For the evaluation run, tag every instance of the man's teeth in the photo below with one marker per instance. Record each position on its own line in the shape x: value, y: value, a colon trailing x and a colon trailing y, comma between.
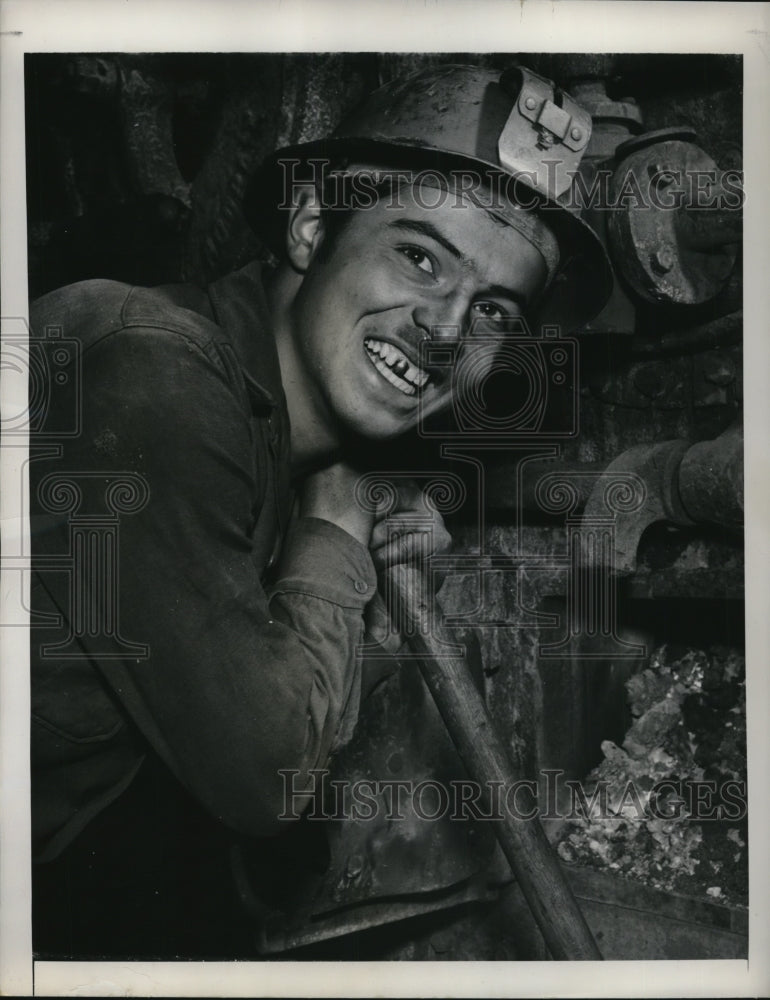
x: 395, y: 366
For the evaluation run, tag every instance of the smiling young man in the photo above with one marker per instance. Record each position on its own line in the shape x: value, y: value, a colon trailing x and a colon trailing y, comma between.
x: 215, y: 643
x: 349, y: 321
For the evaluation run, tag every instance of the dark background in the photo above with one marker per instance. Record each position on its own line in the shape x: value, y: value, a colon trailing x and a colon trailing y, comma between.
x: 136, y: 164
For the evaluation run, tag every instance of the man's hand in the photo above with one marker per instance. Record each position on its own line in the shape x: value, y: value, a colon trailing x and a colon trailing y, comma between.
x: 409, y: 532
x: 330, y: 494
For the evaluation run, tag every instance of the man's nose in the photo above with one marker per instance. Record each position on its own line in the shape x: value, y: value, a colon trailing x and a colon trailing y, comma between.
x: 442, y: 318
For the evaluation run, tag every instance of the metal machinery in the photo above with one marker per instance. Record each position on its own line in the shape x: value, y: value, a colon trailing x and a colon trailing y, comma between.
x: 607, y: 533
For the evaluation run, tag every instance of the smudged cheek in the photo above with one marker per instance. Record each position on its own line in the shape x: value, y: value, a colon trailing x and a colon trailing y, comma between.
x: 369, y: 288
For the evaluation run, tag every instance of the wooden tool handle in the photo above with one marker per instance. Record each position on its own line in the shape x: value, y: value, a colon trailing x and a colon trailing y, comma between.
x: 462, y: 708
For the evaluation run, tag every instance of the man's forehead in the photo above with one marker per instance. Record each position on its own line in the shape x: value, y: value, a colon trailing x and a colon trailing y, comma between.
x: 425, y: 187
x: 494, y: 256
x: 462, y: 221
x: 465, y: 201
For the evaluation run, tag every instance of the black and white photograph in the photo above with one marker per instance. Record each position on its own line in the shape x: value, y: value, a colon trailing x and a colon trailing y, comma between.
x: 382, y: 558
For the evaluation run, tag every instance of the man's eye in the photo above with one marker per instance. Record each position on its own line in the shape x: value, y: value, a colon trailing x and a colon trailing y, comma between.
x: 419, y: 258
x: 488, y: 310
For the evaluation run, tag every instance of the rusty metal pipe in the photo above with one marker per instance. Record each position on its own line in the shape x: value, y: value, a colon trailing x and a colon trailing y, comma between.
x: 684, y: 484
x: 710, y: 480
x: 462, y: 708
x: 709, y: 229
x: 717, y: 332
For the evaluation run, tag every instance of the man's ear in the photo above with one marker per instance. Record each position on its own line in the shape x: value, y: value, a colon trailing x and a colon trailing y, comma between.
x: 304, y: 231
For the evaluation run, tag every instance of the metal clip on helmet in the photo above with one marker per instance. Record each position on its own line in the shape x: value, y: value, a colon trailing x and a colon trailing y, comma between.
x: 453, y: 119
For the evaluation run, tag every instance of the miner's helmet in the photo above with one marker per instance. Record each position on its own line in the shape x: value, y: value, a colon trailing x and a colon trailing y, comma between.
x: 515, y: 130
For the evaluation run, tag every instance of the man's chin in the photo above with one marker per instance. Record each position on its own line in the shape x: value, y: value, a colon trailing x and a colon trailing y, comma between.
x: 378, y: 424
x: 381, y: 418
x: 381, y: 430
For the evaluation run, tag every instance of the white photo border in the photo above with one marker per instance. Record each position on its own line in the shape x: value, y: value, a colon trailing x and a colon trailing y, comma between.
x: 388, y: 25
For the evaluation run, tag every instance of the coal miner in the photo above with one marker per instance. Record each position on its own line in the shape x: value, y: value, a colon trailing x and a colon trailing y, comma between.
x: 220, y: 566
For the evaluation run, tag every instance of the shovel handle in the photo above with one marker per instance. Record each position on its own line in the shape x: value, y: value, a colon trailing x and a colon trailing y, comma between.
x: 533, y: 861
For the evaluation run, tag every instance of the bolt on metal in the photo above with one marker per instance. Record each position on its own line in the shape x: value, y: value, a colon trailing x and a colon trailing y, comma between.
x: 662, y: 260
x: 719, y: 371
x: 354, y: 866
x: 663, y: 174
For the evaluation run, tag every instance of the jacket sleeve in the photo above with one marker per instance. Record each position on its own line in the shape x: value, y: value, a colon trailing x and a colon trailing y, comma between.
x: 236, y: 685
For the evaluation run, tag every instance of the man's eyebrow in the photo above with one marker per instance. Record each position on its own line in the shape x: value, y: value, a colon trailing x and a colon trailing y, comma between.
x: 428, y: 229
x: 521, y: 300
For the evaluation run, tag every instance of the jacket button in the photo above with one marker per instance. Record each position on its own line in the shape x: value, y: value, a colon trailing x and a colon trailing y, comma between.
x: 361, y: 586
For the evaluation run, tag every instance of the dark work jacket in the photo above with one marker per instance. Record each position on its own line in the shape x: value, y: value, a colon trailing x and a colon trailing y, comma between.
x: 171, y: 612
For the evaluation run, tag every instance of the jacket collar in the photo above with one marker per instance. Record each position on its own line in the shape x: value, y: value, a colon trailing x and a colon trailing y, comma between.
x: 240, y: 309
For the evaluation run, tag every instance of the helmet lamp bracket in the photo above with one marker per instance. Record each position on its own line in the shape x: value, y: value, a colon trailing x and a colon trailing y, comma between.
x: 543, y: 118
